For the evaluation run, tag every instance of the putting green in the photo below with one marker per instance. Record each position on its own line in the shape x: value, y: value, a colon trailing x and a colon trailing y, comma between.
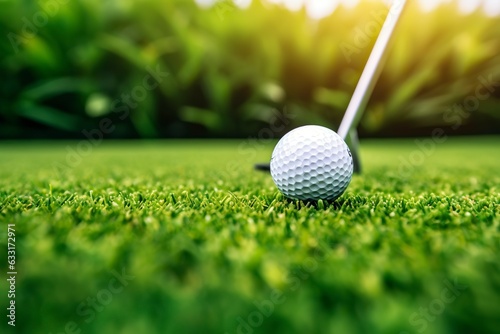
x: 184, y: 237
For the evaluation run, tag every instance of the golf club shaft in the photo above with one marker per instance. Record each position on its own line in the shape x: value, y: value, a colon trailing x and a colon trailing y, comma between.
x: 371, y: 71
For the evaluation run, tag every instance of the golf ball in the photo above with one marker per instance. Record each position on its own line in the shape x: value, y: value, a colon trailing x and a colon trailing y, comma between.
x: 311, y: 163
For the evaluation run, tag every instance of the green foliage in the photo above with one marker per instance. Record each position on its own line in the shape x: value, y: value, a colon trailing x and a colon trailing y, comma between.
x: 204, y: 237
x: 222, y: 60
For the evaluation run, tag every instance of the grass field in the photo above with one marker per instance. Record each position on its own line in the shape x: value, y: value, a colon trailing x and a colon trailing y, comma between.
x: 184, y: 237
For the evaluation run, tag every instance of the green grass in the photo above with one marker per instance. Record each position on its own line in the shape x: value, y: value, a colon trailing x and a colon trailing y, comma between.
x: 205, y: 237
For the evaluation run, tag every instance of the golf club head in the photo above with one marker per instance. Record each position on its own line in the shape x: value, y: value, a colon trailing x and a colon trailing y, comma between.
x: 264, y: 167
x: 353, y: 142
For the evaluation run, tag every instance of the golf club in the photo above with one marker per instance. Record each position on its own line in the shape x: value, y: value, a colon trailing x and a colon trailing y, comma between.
x: 365, y: 86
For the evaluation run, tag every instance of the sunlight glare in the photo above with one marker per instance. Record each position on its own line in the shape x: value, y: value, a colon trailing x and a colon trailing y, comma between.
x: 492, y: 7
x: 318, y: 9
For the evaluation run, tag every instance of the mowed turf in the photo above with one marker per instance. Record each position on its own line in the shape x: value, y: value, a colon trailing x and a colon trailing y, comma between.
x: 184, y: 237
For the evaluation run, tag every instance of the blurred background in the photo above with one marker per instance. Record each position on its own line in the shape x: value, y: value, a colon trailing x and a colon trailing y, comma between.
x: 224, y: 69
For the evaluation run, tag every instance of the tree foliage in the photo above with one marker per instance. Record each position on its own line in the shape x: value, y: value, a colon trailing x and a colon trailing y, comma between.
x: 67, y: 65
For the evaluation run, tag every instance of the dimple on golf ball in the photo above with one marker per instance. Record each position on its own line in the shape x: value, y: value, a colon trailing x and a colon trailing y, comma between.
x: 312, y: 163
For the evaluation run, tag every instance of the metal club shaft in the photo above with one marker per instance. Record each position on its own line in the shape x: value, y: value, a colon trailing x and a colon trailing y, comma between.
x: 371, y: 71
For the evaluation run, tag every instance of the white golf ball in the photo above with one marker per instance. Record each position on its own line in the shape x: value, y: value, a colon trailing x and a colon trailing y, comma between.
x: 311, y: 163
